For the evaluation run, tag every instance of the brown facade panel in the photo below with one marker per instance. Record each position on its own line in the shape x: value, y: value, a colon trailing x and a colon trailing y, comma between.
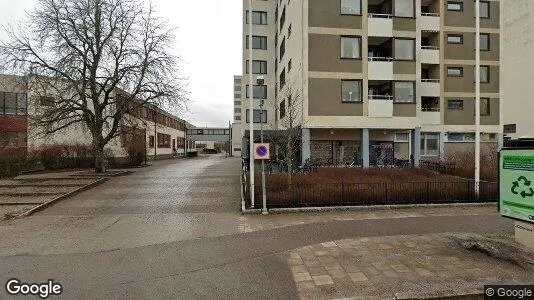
x: 404, y: 110
x: 466, y: 17
x: 325, y: 55
x: 327, y: 13
x: 325, y: 99
x: 404, y: 67
x: 466, y: 115
x: 466, y: 83
x: 404, y: 24
x: 466, y: 50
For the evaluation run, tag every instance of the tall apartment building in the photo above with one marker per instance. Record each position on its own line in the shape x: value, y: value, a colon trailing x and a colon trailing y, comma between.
x: 517, y: 67
x: 383, y: 80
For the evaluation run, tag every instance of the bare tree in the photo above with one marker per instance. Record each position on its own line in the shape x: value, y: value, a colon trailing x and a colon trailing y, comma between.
x: 290, y: 124
x: 96, y: 61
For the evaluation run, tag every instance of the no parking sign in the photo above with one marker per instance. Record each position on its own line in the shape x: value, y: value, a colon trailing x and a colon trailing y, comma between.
x: 261, y: 151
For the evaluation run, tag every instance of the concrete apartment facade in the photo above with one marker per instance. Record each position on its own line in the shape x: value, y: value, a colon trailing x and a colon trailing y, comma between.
x: 161, y: 131
x: 517, y: 21
x: 385, y: 80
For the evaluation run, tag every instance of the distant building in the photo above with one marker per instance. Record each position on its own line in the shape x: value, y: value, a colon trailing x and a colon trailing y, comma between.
x: 158, y: 131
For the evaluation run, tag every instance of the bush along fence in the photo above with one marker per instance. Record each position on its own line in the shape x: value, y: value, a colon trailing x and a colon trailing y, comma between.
x: 368, y: 194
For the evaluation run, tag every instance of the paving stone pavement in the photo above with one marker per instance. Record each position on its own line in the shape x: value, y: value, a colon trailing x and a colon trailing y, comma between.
x: 380, y: 267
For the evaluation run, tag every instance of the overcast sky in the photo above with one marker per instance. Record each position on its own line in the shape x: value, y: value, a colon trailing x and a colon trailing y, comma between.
x: 208, y: 41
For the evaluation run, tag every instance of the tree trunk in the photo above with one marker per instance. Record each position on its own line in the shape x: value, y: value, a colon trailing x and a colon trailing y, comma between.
x: 289, y: 161
x: 98, y: 154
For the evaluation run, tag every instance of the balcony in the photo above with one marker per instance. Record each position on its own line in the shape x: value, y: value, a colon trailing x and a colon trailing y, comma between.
x: 430, y: 88
x: 380, y: 25
x: 380, y: 56
x: 380, y: 106
x: 430, y: 21
x: 430, y: 114
x: 429, y: 55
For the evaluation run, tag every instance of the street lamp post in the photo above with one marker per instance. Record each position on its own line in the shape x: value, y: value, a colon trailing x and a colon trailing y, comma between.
x: 477, y: 100
x: 251, y: 105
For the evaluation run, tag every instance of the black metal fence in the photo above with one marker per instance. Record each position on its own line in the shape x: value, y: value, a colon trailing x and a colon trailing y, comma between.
x: 365, y: 194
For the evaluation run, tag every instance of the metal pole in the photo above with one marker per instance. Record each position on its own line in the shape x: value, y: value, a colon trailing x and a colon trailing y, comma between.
x: 251, y: 105
x: 477, y: 100
x: 263, y: 188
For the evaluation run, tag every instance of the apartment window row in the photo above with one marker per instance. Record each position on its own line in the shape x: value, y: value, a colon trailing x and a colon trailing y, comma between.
x: 455, y: 38
x: 402, y: 8
x: 258, y: 66
x: 258, y: 91
x: 258, y: 17
x: 258, y: 42
x: 258, y: 116
x: 403, y: 49
x: 403, y: 91
x: 208, y: 131
x: 457, y: 6
x: 459, y: 72
x: 13, y: 103
x: 13, y: 139
x: 458, y: 104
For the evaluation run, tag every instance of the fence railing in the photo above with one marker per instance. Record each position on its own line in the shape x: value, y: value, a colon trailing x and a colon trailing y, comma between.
x: 430, y: 14
x: 379, y: 58
x: 368, y: 194
x: 382, y: 16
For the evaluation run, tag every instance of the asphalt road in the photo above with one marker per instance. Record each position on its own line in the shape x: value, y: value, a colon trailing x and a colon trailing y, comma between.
x: 174, y: 231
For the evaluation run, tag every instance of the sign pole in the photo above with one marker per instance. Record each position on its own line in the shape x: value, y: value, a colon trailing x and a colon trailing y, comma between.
x: 251, y: 103
x: 263, y: 188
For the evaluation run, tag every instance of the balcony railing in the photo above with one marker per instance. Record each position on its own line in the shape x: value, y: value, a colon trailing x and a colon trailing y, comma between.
x: 430, y: 14
x: 430, y: 47
x: 382, y: 16
x: 433, y: 109
x: 380, y: 97
x: 430, y: 80
x: 378, y: 58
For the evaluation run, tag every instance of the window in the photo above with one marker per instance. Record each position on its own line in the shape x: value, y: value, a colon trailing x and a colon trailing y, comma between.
x: 404, y: 91
x: 484, y: 42
x: 282, y: 48
x: 258, y: 42
x: 289, y: 31
x: 282, y: 78
x: 455, y: 137
x: 164, y: 140
x: 258, y: 17
x: 350, y: 47
x: 289, y: 65
x: 282, y: 109
x: 351, y: 90
x: 151, y: 141
x: 237, y: 118
x: 21, y: 103
x: 484, y: 74
x: 237, y: 88
x: 455, y: 71
x: 237, y: 103
x: 455, y: 104
x: 429, y: 144
x: 404, y: 8
x: 351, y: 7
x: 259, y: 91
x: 455, y: 6
x: 258, y: 67
x: 485, y: 107
x: 404, y: 49
x: 10, y: 105
x: 237, y: 95
x: 283, y: 18
x: 484, y: 9
x: 1, y: 103
x: 401, y: 137
x: 237, y: 110
x: 455, y: 39
x: 257, y: 116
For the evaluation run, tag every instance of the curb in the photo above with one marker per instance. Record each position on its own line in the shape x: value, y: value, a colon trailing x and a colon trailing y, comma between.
x: 118, y: 174
x: 367, y: 207
x: 57, y: 199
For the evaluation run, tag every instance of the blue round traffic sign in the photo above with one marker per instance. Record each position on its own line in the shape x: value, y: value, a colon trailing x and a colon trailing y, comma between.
x: 261, y: 151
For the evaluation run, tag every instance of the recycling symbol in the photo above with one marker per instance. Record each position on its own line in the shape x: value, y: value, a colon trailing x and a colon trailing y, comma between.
x: 526, y: 190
